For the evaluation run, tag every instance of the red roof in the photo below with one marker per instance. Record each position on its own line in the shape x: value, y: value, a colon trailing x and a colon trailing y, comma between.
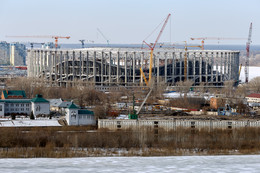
x: 255, y: 95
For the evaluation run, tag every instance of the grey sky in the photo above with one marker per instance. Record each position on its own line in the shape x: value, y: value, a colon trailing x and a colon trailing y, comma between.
x: 129, y: 21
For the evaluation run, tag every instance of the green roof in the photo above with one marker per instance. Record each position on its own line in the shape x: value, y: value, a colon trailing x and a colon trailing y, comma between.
x: 16, y: 101
x: 85, y: 112
x: 72, y: 106
x: 14, y: 93
x: 39, y: 99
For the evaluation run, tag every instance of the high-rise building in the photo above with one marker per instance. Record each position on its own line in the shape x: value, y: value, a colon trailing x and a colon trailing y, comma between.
x: 4, y: 53
x: 17, y: 54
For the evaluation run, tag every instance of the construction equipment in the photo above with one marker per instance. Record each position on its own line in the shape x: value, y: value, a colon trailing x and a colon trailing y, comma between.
x: 186, y: 60
x: 152, y: 46
x: 248, y: 53
x: 103, y: 36
x: 82, y: 43
x: 43, y: 36
x: 147, y: 96
x: 214, y: 38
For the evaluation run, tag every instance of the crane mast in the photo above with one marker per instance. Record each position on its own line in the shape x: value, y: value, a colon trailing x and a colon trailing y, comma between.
x: 152, y: 46
x: 248, y: 53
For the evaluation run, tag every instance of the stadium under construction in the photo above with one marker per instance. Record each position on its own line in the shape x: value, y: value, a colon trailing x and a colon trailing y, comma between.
x: 121, y: 66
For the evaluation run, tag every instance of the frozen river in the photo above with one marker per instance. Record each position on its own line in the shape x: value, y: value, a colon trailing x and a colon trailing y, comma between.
x: 242, y: 163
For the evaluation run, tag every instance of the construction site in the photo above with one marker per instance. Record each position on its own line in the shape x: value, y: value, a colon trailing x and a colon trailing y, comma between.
x: 132, y: 66
x: 141, y: 66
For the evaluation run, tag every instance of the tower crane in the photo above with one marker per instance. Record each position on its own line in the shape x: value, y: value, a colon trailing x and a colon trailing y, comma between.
x: 82, y: 43
x: 43, y: 36
x: 103, y: 36
x: 248, y: 53
x: 214, y: 38
x: 151, y: 47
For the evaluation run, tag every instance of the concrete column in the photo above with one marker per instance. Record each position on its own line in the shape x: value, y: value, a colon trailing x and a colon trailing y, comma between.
x: 134, y: 61
x: 165, y: 67
x: 109, y: 67
x: 125, y: 68
x: 194, y: 66
x: 102, y: 68
x: 67, y: 67
x: 200, y: 73
x: 212, y: 67
x: 87, y: 65
x: 117, y: 67
x: 80, y: 64
x: 180, y: 67
x: 158, y: 67
x: 221, y: 66
x: 206, y: 67
x: 94, y: 67
x: 60, y: 69
x: 173, y: 67
x: 142, y: 62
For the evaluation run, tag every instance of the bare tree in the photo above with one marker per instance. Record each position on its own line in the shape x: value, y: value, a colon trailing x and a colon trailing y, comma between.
x: 184, y: 87
x: 254, y: 84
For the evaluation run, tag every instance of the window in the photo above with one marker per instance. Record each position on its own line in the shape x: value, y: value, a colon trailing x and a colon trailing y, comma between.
x: 7, y: 109
x: 22, y: 105
x: 12, y: 109
x: 1, y: 108
x: 7, y: 105
x: 27, y: 105
x: 22, y: 109
x: 27, y: 109
x: 17, y: 105
x: 12, y: 105
x: 17, y: 109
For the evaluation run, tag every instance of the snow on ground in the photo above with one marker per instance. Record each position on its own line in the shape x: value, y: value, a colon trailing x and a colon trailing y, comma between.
x: 238, y: 163
x: 189, y: 94
x: 5, y: 122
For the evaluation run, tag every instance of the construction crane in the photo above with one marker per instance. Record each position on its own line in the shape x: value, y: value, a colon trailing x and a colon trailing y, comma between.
x: 82, y: 43
x: 152, y: 46
x: 103, y: 36
x: 186, y: 60
x: 214, y: 38
x: 43, y: 36
x: 248, y: 53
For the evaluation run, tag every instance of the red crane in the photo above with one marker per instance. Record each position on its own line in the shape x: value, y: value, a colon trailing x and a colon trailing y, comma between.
x: 43, y: 36
x: 152, y: 46
x: 248, y: 53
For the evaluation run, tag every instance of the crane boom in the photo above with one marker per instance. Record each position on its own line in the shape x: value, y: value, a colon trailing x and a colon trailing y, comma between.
x: 248, y: 53
x: 103, y: 36
x: 153, y: 46
x: 43, y: 36
x: 214, y: 38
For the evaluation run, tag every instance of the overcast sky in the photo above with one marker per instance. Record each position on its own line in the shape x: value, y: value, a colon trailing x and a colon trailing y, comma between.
x: 130, y: 21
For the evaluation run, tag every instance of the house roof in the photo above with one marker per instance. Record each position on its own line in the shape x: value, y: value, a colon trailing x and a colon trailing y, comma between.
x: 65, y: 104
x: 55, y: 102
x: 255, y: 95
x: 72, y: 106
x: 85, y: 111
x: 17, y: 100
x: 39, y: 99
x: 7, y: 93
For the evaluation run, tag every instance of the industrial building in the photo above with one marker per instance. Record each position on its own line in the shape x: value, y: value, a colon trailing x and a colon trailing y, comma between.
x: 121, y: 66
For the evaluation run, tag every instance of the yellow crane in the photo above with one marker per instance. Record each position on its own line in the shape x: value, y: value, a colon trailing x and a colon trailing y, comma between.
x: 152, y: 46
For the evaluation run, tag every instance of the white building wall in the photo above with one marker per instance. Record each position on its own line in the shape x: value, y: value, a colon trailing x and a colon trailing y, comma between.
x: 2, y: 109
x: 40, y: 108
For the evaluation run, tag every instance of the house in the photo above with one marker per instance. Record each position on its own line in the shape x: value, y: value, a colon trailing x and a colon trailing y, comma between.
x: 253, y: 100
x: 76, y: 116
x: 37, y: 105
x: 13, y: 94
x: 40, y: 106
